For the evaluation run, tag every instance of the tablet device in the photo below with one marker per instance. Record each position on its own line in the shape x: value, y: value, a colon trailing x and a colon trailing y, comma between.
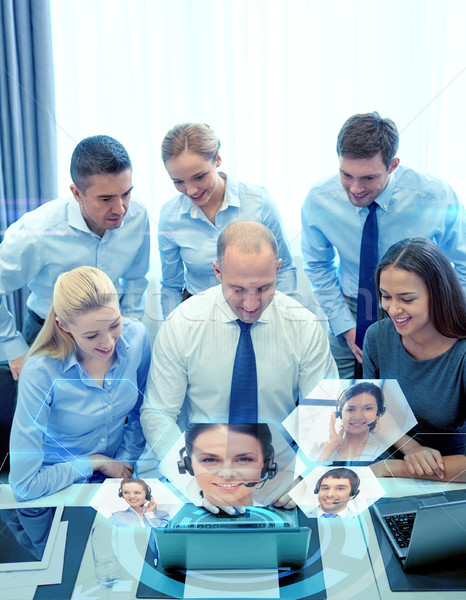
x: 27, y: 537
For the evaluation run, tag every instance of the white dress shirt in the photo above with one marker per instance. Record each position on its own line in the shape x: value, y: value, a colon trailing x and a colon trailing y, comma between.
x: 193, y: 357
x: 316, y: 512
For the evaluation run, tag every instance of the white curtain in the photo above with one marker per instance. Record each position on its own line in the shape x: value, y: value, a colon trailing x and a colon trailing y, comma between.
x: 276, y: 79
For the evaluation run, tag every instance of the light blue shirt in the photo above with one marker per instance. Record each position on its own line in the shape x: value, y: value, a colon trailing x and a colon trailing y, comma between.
x: 188, y: 240
x: 63, y: 416
x: 412, y: 205
x: 130, y: 518
x: 54, y: 238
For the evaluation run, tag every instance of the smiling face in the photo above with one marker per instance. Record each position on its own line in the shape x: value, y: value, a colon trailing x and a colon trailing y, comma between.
x: 358, y: 413
x: 96, y: 332
x: 223, y: 461
x: 334, y: 494
x: 105, y: 201
x: 405, y: 298
x: 248, y: 280
x: 134, y: 494
x: 197, y: 178
x: 365, y: 178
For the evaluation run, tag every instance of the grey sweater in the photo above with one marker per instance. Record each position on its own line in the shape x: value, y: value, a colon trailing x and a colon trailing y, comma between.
x: 435, y: 389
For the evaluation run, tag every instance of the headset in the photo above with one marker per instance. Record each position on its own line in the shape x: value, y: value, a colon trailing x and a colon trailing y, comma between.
x: 148, y: 490
x: 341, y: 473
x: 268, y: 471
x: 364, y: 387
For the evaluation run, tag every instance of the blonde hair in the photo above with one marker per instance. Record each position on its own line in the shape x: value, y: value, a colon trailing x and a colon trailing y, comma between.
x: 195, y: 137
x: 76, y: 292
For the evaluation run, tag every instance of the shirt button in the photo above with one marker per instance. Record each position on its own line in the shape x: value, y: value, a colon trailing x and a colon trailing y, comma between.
x: 102, y: 440
x: 108, y: 382
x: 109, y: 407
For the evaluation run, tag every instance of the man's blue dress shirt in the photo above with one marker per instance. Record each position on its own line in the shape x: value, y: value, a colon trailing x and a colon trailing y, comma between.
x: 188, y: 240
x: 412, y: 205
x: 53, y: 239
x: 63, y: 416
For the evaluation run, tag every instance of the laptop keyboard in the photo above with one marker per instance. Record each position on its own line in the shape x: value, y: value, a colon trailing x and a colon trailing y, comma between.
x: 401, y: 527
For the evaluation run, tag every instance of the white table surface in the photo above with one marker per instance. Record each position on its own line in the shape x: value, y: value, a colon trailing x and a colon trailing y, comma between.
x: 350, y: 571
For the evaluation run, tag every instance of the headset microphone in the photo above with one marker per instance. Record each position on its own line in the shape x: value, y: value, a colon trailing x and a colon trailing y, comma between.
x: 254, y: 483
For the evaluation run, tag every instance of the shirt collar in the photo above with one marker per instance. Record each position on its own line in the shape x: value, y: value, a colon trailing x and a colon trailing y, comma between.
x: 342, y: 513
x: 383, y: 199
x: 227, y: 315
x: 231, y: 198
x: 76, y: 220
x: 75, y: 217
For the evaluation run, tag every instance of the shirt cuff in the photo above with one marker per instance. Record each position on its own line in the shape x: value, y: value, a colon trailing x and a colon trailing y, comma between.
x: 344, y: 321
x: 14, y: 348
x: 83, y: 467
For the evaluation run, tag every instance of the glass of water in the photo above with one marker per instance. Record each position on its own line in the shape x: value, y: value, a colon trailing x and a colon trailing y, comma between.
x: 107, y: 565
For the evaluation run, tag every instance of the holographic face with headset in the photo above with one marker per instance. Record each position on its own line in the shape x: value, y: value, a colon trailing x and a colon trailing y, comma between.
x: 360, y: 407
x: 228, y: 460
x: 336, y: 488
x: 135, y: 492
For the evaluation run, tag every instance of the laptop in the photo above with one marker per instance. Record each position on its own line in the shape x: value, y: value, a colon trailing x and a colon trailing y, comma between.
x: 425, y: 529
x: 27, y: 536
x: 262, y: 538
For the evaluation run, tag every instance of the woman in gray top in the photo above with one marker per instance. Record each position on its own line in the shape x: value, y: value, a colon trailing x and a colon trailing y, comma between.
x: 423, y: 346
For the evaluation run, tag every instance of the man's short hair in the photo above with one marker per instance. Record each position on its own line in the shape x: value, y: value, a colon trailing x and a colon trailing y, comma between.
x: 365, y: 135
x: 248, y: 236
x: 341, y: 473
x: 97, y: 155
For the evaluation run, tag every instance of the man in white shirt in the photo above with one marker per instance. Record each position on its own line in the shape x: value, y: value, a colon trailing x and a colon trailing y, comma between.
x: 334, y: 489
x: 191, y: 373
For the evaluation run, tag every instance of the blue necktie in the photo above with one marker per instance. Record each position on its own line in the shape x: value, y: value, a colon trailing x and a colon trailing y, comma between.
x: 243, y: 397
x: 367, y: 296
x: 329, y: 516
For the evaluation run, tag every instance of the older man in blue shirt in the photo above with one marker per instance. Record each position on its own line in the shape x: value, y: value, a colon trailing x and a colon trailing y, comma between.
x: 98, y: 226
x: 406, y: 203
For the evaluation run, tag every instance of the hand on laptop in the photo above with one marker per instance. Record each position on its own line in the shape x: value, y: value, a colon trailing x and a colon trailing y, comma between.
x: 285, y: 501
x: 231, y: 510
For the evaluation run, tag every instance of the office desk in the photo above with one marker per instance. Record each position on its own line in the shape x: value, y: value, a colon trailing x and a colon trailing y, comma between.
x: 349, y: 570
x: 396, y: 488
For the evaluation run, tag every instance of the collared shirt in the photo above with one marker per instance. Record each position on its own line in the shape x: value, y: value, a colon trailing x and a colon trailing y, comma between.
x: 63, y: 416
x: 55, y: 238
x: 316, y: 512
x: 346, y: 512
x: 412, y: 205
x: 193, y: 357
x: 188, y: 240
x: 130, y: 518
